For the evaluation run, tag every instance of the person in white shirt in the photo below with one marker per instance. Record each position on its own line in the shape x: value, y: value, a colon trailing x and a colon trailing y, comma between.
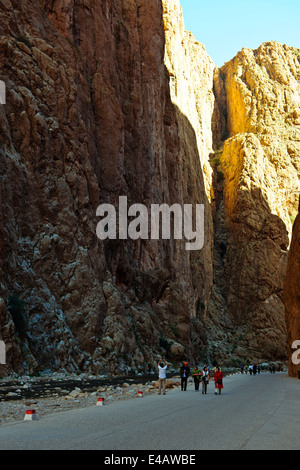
x: 162, y: 374
x: 205, y: 380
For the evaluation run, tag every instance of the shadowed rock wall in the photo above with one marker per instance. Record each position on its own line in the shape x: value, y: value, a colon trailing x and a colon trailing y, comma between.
x: 115, y: 98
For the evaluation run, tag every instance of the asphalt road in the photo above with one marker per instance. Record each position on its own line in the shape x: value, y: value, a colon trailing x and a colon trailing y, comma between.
x: 259, y: 412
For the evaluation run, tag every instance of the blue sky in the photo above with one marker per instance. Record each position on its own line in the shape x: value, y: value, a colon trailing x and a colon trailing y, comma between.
x: 226, y: 26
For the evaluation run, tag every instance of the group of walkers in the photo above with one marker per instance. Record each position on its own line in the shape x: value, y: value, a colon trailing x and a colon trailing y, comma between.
x: 199, y: 376
x: 253, y: 369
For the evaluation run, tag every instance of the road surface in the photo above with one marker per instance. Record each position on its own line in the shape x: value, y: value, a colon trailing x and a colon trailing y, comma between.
x: 253, y: 413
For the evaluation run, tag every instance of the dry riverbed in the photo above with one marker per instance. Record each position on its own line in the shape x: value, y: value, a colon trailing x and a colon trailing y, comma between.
x: 50, y: 395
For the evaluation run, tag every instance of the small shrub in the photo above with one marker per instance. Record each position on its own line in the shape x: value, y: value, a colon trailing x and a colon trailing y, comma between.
x: 216, y: 161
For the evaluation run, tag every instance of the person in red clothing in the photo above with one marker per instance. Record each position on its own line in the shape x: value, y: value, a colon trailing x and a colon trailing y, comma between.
x: 218, y: 381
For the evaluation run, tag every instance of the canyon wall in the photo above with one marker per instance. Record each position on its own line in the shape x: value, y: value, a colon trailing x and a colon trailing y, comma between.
x: 259, y: 173
x: 114, y: 98
x: 292, y: 303
x: 89, y: 118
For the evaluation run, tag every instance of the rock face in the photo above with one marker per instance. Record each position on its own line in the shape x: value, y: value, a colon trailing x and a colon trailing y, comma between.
x: 89, y: 118
x: 259, y: 173
x: 291, y: 297
x: 109, y: 99
x: 263, y: 97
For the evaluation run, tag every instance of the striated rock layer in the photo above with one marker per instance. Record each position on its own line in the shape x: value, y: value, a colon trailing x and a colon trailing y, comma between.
x: 115, y: 98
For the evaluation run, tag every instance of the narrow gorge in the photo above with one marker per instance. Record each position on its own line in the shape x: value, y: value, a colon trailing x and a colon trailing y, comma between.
x: 115, y: 98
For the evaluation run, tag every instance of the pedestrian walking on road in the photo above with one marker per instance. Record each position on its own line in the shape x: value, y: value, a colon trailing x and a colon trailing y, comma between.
x: 162, y: 374
x: 184, y: 374
x: 218, y: 381
x: 196, y: 375
x: 205, y: 380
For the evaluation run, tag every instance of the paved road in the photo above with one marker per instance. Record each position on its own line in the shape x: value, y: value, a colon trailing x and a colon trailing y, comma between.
x: 258, y: 412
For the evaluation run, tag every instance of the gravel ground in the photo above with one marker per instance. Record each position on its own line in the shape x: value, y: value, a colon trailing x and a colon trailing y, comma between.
x: 56, y: 393
x: 47, y: 395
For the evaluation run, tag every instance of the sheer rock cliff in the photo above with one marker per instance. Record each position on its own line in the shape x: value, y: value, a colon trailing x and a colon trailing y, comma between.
x: 89, y: 118
x: 292, y: 303
x: 259, y: 169
x: 114, y: 98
